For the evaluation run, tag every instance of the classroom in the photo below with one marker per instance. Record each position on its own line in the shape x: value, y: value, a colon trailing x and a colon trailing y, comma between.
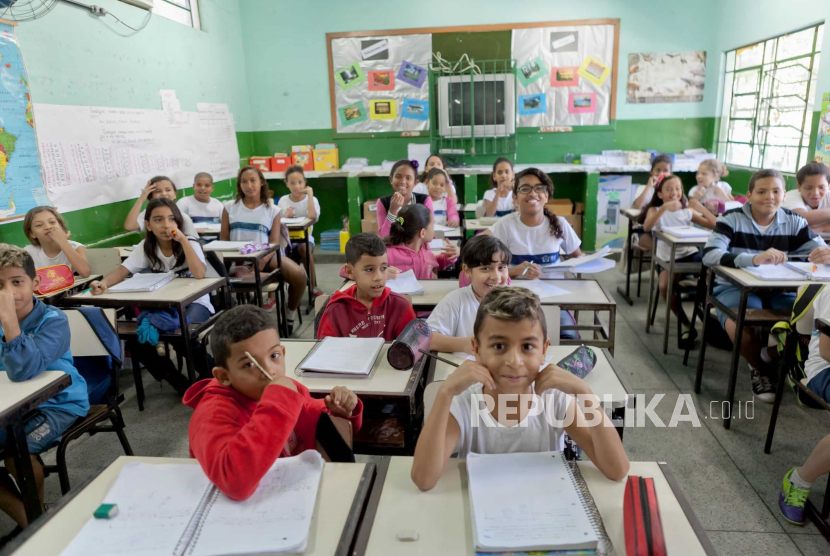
x: 450, y: 278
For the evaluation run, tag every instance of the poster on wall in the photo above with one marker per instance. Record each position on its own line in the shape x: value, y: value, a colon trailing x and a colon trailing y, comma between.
x: 666, y: 77
x: 823, y: 140
x: 614, y: 196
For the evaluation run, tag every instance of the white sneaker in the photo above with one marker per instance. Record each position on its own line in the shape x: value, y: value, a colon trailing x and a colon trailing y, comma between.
x: 761, y: 386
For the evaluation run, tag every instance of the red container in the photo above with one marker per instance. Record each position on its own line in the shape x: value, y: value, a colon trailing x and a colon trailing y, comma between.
x: 280, y: 163
x: 261, y: 162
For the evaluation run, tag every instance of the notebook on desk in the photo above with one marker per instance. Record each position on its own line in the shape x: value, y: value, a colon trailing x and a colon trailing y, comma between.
x: 687, y: 231
x: 790, y: 270
x: 292, y: 221
x: 342, y: 357
x: 566, y: 264
x: 174, y: 509
x: 148, y: 282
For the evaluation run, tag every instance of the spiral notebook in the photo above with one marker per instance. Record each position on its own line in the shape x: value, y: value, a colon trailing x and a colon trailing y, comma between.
x: 532, y: 502
x: 147, y: 282
x: 173, y: 509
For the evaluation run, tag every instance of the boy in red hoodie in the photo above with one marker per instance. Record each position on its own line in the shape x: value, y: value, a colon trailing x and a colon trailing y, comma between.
x: 368, y: 309
x: 243, y: 420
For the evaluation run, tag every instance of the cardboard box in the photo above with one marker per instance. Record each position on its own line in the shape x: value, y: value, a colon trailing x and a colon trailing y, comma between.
x: 303, y: 156
x: 369, y: 226
x: 579, y: 208
x: 261, y: 162
x: 326, y: 159
x: 560, y: 207
x: 370, y: 211
x: 575, y: 220
x: 280, y: 162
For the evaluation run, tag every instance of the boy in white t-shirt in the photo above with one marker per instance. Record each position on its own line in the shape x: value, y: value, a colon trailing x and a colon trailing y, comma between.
x: 505, y: 402
x: 301, y: 203
x: 810, y: 200
x: 201, y: 207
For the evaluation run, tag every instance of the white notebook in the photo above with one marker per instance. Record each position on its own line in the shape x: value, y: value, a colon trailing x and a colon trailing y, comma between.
x: 148, y: 282
x: 532, y: 501
x: 173, y: 509
x: 339, y: 357
x: 292, y: 221
x: 219, y: 245
x: 687, y: 231
x: 790, y: 270
x: 540, y: 287
x: 406, y: 284
x: 570, y: 263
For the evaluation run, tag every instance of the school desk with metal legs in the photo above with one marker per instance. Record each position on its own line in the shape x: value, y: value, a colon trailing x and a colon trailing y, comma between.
x: 392, y: 399
x: 631, y: 214
x: 341, y: 502
x: 673, y: 268
x: 300, y: 231
x: 17, y: 401
x: 442, y: 516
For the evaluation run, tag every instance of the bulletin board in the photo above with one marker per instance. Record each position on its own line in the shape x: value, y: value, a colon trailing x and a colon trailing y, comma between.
x: 570, y: 76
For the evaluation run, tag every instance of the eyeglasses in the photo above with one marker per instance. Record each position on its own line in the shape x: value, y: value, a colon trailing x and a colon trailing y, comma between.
x: 538, y: 188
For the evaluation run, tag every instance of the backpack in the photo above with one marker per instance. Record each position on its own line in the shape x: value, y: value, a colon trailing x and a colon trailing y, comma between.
x: 785, y: 331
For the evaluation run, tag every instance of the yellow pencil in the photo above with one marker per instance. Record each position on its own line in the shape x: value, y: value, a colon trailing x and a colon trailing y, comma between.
x: 251, y: 357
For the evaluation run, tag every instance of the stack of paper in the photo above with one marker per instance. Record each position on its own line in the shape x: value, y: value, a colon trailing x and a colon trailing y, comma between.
x: 148, y: 282
x: 687, y: 231
x: 220, y: 245
x: 294, y: 221
x: 339, y: 357
x: 406, y: 284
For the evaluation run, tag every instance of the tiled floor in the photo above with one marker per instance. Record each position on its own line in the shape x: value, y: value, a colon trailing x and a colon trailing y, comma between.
x: 731, y: 484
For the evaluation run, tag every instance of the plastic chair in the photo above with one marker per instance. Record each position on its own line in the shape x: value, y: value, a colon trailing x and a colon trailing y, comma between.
x: 103, y: 261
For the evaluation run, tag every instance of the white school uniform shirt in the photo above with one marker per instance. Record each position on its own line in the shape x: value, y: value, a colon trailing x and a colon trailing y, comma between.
x: 423, y: 188
x: 199, y: 211
x: 41, y: 260
x: 535, y: 244
x: 533, y: 434
x: 455, y: 314
x: 710, y: 193
x: 793, y: 200
x: 300, y: 209
x: 439, y: 211
x: 815, y: 362
x: 682, y: 217
x: 137, y: 262
x: 187, y: 224
x: 251, y: 225
x: 504, y: 205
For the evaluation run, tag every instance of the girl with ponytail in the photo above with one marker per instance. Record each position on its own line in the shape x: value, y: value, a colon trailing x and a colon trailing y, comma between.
x: 407, y: 246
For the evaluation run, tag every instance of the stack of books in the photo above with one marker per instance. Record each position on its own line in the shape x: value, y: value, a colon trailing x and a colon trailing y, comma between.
x: 330, y: 241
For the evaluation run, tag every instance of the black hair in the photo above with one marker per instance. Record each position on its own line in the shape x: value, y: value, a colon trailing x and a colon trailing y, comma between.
x: 294, y: 169
x: 403, y: 162
x: 150, y: 240
x: 434, y: 172
x: 510, y: 304
x: 363, y: 244
x: 761, y: 174
x: 263, y: 191
x: 498, y: 161
x: 657, y: 202
x: 481, y: 249
x: 661, y: 158
x: 423, y: 177
x: 555, y: 225
x: 410, y: 221
x: 202, y: 175
x: 813, y: 169
x: 156, y: 179
x: 237, y: 325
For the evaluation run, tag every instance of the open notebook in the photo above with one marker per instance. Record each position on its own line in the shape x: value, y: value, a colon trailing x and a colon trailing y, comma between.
x: 149, y: 282
x: 567, y: 264
x: 339, y: 357
x: 173, y: 509
x: 687, y: 231
x: 790, y: 270
x: 532, y: 502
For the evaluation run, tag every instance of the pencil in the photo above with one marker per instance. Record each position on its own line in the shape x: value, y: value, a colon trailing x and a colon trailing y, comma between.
x: 447, y: 361
x: 251, y: 357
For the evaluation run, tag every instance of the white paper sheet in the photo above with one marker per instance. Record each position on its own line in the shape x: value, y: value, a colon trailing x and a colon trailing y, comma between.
x: 405, y: 283
x: 419, y: 152
x: 687, y: 231
x: 539, y: 287
x: 147, y: 282
x: 578, y: 261
x: 224, y: 245
x: 293, y: 221
x: 344, y: 355
x: 775, y: 272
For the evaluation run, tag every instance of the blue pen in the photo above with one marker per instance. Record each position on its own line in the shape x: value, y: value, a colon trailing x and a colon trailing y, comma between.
x: 525, y: 270
x: 86, y: 290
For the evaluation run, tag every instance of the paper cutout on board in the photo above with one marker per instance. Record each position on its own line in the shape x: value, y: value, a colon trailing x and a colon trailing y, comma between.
x: 382, y: 80
x: 594, y: 71
x: 564, y: 41
x: 564, y: 76
x: 414, y: 109
x: 352, y: 114
x: 532, y: 70
x: 582, y: 103
x: 349, y: 76
x: 376, y: 49
x: 532, y: 104
x: 412, y: 74
x: 383, y: 109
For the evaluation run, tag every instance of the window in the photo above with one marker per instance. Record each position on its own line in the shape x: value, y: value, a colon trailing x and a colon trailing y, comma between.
x: 768, y: 97
x: 185, y: 12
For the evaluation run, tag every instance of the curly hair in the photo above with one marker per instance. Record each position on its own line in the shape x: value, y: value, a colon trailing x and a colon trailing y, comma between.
x: 510, y: 304
x: 237, y: 325
x: 12, y: 256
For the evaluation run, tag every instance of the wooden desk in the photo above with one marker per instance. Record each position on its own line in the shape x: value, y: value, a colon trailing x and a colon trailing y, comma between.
x: 585, y: 295
x: 384, y: 387
x: 17, y: 399
x: 176, y: 294
x: 301, y: 231
x: 442, y: 516
x: 606, y: 380
x: 79, y: 285
x: 673, y: 267
x: 344, y: 489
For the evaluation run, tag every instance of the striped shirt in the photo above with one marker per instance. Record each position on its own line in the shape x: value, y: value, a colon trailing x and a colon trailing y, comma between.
x: 737, y: 238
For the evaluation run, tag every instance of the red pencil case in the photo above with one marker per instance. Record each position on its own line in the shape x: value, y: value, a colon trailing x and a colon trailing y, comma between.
x: 643, y: 527
x: 55, y: 278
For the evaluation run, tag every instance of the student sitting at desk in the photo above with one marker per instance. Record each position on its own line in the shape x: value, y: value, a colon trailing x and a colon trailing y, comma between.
x: 484, y: 263
x: 709, y: 185
x: 760, y: 233
x: 670, y: 207
x: 443, y: 206
x: 402, y: 177
x: 201, y: 207
x: 407, y: 246
x: 434, y: 161
x: 301, y: 202
x: 35, y: 338
x: 810, y: 200
x: 661, y: 165
x: 159, y: 186
x: 51, y: 246
x: 534, y: 235
x: 250, y: 413
x: 510, y: 342
x: 499, y: 201
x: 164, y: 248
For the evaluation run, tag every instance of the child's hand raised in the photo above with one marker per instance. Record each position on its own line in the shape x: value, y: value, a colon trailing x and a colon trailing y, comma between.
x: 556, y: 377
x: 467, y: 374
x: 341, y: 402
x: 771, y: 256
x: 148, y: 190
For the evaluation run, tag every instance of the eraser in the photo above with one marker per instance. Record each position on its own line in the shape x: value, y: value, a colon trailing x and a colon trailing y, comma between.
x: 106, y: 511
x: 408, y: 536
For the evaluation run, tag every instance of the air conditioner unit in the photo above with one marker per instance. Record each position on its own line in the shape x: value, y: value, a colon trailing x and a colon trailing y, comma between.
x: 143, y: 4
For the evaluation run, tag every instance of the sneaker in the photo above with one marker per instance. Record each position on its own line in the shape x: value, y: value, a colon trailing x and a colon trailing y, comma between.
x: 270, y: 304
x: 761, y: 386
x: 791, y: 501
x: 161, y: 349
x: 318, y: 292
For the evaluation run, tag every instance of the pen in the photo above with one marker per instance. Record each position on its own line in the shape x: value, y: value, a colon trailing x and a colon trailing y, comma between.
x: 251, y: 357
x: 85, y: 291
x: 447, y: 361
x: 525, y: 270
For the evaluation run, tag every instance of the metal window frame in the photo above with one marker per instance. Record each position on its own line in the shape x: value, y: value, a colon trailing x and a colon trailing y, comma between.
x: 193, y: 10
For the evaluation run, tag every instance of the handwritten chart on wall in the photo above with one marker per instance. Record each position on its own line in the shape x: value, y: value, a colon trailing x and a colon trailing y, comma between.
x: 92, y: 156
